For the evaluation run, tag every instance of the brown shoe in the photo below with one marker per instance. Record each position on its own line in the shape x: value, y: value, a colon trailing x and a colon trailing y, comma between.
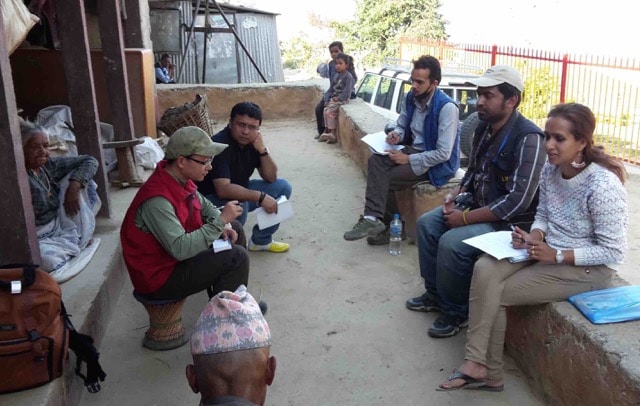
x: 332, y: 139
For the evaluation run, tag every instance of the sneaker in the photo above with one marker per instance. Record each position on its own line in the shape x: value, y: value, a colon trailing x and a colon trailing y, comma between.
x: 274, y: 246
x: 324, y: 137
x: 447, y: 326
x: 363, y: 228
x: 422, y: 303
x: 383, y: 238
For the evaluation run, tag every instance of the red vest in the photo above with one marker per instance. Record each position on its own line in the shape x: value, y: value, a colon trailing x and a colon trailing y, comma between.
x: 149, y: 264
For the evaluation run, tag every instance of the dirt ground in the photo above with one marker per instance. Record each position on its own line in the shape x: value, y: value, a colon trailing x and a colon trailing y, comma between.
x: 341, y: 333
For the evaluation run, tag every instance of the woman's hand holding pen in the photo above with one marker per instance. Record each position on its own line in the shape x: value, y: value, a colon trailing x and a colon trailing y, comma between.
x: 230, y: 211
x: 536, y: 247
x: 519, y: 238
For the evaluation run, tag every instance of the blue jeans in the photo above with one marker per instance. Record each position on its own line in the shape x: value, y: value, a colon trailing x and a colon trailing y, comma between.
x: 275, y: 189
x: 446, y: 263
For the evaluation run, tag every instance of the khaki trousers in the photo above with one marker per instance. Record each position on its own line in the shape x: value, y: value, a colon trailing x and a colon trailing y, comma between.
x: 498, y: 284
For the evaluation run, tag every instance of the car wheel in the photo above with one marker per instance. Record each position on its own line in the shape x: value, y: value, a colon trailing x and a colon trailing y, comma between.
x: 467, y: 129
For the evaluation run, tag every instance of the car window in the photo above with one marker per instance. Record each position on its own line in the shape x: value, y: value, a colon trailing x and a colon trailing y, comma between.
x: 365, y: 91
x: 406, y: 87
x: 384, y: 97
x: 467, y: 100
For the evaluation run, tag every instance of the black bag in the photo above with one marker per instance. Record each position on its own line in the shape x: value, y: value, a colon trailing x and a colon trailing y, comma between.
x: 36, y: 333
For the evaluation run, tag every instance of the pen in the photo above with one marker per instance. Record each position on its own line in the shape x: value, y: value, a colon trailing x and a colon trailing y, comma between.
x: 511, y: 226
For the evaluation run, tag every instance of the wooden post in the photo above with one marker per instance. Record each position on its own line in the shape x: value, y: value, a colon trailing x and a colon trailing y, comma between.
x: 76, y: 59
x: 133, y: 25
x: 115, y: 72
x: 18, y: 239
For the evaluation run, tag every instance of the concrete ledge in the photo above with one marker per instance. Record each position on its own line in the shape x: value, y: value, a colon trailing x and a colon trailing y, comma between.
x: 566, y: 358
x: 277, y: 100
x: 571, y: 361
x: 90, y: 298
x: 355, y: 120
x: 419, y: 199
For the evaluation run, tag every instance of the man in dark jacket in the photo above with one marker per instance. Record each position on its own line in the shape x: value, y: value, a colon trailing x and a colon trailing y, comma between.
x: 506, y: 159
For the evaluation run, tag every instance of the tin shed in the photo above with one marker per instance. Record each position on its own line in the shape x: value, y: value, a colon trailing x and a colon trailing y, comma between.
x: 225, y: 44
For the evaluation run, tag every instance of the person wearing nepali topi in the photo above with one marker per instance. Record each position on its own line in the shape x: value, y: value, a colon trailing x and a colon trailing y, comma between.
x: 230, y: 346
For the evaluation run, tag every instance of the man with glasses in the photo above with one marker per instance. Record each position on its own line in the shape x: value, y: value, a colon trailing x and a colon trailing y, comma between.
x: 169, y: 228
x: 428, y: 129
x: 233, y: 168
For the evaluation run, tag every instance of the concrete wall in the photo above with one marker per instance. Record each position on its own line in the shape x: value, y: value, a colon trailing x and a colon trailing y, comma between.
x: 277, y: 100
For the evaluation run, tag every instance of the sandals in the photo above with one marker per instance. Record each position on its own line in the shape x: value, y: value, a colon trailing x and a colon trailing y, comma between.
x: 469, y: 382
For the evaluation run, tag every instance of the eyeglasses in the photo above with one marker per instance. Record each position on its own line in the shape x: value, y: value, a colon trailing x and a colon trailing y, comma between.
x: 249, y: 127
x: 203, y: 163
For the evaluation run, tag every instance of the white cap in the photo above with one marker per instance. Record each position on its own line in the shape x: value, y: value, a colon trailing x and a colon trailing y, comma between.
x: 497, y: 75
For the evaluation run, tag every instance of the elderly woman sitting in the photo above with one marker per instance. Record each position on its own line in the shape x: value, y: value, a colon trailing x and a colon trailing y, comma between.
x: 64, y: 201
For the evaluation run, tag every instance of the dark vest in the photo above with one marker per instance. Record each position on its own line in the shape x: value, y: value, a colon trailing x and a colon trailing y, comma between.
x: 440, y: 174
x: 503, y: 165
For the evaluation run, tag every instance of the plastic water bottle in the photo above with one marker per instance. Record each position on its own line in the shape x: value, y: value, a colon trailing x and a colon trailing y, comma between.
x: 395, y: 235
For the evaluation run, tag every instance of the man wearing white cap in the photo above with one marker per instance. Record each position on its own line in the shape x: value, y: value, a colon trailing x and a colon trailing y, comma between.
x: 501, y: 182
x: 169, y: 228
x: 230, y: 346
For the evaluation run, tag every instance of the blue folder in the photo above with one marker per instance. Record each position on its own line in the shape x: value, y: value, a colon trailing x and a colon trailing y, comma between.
x: 611, y: 305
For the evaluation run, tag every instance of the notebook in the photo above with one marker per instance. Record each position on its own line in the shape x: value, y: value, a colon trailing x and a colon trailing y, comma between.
x: 266, y: 220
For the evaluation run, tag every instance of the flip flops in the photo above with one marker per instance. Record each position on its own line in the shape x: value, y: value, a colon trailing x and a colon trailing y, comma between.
x: 487, y: 388
x: 469, y: 382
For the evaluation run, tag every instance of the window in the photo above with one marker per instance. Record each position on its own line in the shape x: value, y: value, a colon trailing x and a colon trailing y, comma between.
x: 386, y: 90
x: 467, y: 100
x: 368, y: 85
x: 406, y: 87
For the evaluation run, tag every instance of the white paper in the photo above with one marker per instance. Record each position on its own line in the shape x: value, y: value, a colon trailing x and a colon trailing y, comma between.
x: 497, y: 244
x: 266, y: 220
x: 378, y: 144
x: 221, y: 245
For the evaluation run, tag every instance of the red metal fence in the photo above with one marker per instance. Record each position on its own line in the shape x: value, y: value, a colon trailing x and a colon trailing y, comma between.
x: 610, y: 86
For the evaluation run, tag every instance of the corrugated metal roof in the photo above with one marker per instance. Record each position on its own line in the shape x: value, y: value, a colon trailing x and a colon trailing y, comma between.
x: 233, y: 7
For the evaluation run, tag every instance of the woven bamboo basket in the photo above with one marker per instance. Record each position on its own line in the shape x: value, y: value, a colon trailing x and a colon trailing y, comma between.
x: 191, y: 114
x: 165, y: 321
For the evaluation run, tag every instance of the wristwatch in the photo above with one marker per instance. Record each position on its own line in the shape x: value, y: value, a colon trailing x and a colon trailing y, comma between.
x: 559, y: 257
x: 265, y: 152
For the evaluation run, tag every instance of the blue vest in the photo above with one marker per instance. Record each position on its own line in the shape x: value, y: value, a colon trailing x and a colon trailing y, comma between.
x: 440, y: 174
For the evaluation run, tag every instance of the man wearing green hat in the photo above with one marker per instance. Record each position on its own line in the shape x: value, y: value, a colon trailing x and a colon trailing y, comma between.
x: 169, y: 228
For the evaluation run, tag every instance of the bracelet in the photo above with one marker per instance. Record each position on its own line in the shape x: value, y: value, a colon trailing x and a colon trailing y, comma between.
x: 464, y: 215
x: 541, y: 233
x: 261, y: 199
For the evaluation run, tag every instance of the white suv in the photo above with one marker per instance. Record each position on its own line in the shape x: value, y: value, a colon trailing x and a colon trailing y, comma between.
x: 385, y: 91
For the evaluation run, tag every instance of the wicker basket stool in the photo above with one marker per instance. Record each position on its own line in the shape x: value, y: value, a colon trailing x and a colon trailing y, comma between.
x: 165, y: 323
x: 195, y: 113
